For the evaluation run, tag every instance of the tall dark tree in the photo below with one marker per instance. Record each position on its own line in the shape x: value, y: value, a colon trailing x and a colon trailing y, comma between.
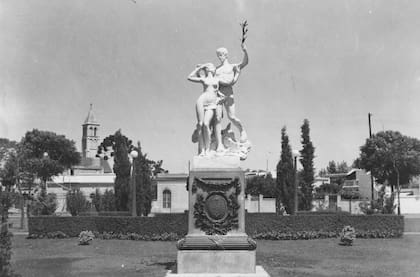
x: 285, y: 176
x: 308, y: 172
x: 118, y: 146
x: 143, y: 171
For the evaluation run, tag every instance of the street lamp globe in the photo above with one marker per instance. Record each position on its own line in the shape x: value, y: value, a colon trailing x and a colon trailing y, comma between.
x: 134, y: 154
x: 295, y: 153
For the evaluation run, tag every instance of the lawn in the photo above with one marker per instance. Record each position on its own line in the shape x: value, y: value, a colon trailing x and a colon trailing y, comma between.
x: 323, y: 257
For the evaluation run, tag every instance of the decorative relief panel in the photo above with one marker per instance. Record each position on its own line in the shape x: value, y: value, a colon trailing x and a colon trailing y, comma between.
x: 216, y: 206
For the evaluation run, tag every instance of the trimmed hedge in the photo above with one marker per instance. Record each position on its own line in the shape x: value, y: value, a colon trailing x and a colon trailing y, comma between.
x: 258, y: 226
x: 72, y: 226
x: 311, y: 226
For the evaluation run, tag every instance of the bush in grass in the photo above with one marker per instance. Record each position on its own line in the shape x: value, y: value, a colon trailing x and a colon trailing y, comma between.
x: 85, y: 237
x: 347, y: 236
x: 76, y: 202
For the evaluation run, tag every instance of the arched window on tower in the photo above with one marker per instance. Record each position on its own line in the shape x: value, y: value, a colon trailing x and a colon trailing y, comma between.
x: 166, y: 199
x: 94, y: 131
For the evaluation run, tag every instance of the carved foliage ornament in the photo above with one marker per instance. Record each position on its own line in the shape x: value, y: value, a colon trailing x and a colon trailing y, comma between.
x: 216, y: 206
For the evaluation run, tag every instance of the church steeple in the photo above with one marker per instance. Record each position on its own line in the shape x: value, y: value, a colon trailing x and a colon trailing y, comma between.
x: 90, y: 138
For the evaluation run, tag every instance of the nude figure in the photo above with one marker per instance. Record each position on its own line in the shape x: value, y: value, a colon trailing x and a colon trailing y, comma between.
x: 225, y: 73
x: 207, y: 106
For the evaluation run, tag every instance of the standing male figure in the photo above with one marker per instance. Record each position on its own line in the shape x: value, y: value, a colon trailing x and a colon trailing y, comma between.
x: 225, y: 72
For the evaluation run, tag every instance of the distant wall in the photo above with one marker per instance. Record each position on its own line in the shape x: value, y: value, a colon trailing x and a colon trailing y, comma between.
x: 409, y: 204
x: 260, y: 204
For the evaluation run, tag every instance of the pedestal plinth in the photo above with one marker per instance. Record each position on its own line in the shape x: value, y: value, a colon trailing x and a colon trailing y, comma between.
x: 216, y: 243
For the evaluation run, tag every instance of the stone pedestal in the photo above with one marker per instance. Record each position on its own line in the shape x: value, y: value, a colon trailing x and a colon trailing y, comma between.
x: 216, y: 243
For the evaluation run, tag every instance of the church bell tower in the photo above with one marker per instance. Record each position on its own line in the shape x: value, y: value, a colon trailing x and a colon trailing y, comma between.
x: 90, y: 138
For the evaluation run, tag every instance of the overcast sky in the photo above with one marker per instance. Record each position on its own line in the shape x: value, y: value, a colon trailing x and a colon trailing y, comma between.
x: 331, y: 62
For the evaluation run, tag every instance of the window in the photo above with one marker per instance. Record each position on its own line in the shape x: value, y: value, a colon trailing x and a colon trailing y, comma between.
x: 166, y: 199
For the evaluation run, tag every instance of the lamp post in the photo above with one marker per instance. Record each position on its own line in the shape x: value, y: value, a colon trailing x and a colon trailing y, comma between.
x: 133, y: 154
x: 295, y: 156
x: 45, y: 156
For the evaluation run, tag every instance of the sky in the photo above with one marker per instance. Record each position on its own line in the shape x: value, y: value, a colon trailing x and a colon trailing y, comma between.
x: 331, y: 62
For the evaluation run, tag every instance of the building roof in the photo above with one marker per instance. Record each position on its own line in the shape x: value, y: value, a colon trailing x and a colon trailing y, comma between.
x: 84, y: 179
x: 90, y: 119
x: 171, y: 176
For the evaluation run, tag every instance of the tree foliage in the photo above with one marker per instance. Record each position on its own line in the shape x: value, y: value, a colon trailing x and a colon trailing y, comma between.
x: 46, y: 154
x: 6, y: 147
x: 334, y: 167
x: 285, y: 176
x: 307, y: 174
x: 44, y: 203
x: 389, y: 154
x: 105, y: 201
x: 76, y: 202
x: 265, y: 185
x: 118, y: 146
x: 143, y: 178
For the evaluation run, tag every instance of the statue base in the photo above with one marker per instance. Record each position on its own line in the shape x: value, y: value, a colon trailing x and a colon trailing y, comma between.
x: 259, y: 272
x: 216, y: 243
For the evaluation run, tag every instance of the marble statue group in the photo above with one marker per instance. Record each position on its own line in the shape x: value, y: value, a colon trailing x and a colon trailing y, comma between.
x: 217, y: 93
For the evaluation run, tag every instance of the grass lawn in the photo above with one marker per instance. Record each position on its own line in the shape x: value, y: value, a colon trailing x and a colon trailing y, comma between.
x: 324, y: 257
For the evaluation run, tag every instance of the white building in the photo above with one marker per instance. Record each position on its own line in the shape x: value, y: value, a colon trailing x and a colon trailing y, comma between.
x: 92, y: 173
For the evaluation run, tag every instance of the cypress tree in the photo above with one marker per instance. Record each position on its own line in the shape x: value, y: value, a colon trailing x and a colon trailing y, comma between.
x: 285, y: 176
x: 122, y: 171
x: 143, y: 183
x: 307, y: 173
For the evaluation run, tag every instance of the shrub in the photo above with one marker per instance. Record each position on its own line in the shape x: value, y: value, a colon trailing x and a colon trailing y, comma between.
x: 76, y: 202
x: 103, y: 202
x: 347, y: 236
x: 44, y: 204
x: 305, y: 226
x: 85, y: 237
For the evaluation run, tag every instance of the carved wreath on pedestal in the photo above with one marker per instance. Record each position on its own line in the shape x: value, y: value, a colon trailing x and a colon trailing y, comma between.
x: 216, y: 207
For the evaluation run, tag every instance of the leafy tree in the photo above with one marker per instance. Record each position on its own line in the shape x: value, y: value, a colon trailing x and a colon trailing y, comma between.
x: 6, y: 147
x: 265, y: 185
x: 335, y: 167
x: 118, y: 146
x: 44, y: 204
x: 46, y: 154
x: 392, y: 158
x: 76, y: 202
x: 388, y: 154
x: 308, y: 172
x: 285, y: 176
x: 337, y: 182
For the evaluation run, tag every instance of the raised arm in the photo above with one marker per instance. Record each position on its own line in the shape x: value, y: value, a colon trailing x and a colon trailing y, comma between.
x: 194, y: 77
x: 245, y: 58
